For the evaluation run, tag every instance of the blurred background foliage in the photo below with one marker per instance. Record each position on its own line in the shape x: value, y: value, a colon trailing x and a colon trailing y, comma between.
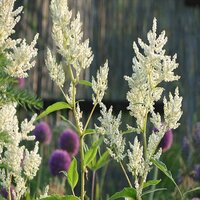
x: 112, y: 26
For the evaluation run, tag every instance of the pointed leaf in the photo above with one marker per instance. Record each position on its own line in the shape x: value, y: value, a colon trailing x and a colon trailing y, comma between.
x: 160, y: 165
x: 192, y: 190
x: 91, y: 153
x: 72, y: 174
x: 89, y: 131
x: 102, y: 160
x: 54, y: 197
x: 126, y: 192
x: 54, y: 107
x: 84, y: 82
x: 154, y: 190
x: 151, y: 182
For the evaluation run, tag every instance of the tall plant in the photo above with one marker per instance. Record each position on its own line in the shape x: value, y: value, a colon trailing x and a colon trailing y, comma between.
x: 151, y: 67
x: 18, y: 165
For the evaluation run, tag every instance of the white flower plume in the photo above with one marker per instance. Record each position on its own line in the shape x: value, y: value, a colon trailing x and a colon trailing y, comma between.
x: 149, y: 70
x: 18, y: 160
x: 113, y: 137
x: 8, y: 19
x: 99, y: 86
x: 136, y: 163
x: 56, y: 71
x: 172, y: 110
x: 68, y: 37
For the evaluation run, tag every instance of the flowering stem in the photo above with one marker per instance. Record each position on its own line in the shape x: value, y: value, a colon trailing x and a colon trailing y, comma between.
x: 88, y: 120
x: 93, y: 183
x: 126, y: 175
x: 40, y: 169
x: 145, y: 137
x: 155, y: 176
x: 82, y: 168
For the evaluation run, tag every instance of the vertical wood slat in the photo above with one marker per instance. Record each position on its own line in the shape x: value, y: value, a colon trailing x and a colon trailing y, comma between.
x: 112, y: 26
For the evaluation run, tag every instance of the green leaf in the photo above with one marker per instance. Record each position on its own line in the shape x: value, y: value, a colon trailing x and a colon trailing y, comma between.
x: 72, y: 174
x: 54, y: 197
x: 89, y: 131
x: 84, y: 82
x: 154, y: 190
x: 151, y: 182
x: 54, y: 107
x: 190, y: 191
x: 23, y: 97
x: 160, y: 165
x: 126, y: 192
x: 102, y: 161
x: 91, y: 153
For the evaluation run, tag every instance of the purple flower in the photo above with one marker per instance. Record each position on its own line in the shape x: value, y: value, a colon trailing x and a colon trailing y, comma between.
x: 166, y: 141
x: 59, y: 161
x: 196, y: 172
x: 4, y: 192
x: 69, y: 141
x: 195, y: 198
x: 21, y: 83
x: 42, y: 133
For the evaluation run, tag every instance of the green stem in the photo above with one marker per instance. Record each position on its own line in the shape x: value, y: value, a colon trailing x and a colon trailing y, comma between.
x: 82, y: 168
x: 9, y: 188
x: 155, y: 176
x: 88, y: 120
x: 126, y: 175
x: 63, y: 94
x: 93, y: 183
x: 145, y: 136
x: 40, y: 169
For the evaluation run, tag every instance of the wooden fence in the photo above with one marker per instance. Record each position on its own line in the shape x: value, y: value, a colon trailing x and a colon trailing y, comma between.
x: 112, y: 26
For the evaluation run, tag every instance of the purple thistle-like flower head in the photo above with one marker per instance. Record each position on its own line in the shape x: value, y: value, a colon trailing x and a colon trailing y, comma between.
x: 166, y: 141
x: 195, y: 198
x: 59, y: 161
x: 196, y: 172
x: 69, y: 141
x: 42, y: 133
x: 4, y: 193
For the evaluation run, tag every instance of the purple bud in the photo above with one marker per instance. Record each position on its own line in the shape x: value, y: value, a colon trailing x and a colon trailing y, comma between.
x: 166, y: 141
x: 195, y: 198
x: 21, y: 83
x: 196, y: 172
x: 59, y: 161
x: 42, y: 133
x: 4, y: 192
x: 69, y: 141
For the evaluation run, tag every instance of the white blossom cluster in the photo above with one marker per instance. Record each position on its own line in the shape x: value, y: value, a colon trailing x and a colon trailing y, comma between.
x: 17, y: 164
x: 150, y: 68
x: 113, y: 137
x: 56, y: 71
x: 99, y: 87
x: 19, y: 54
x: 136, y: 161
x: 68, y: 37
x: 20, y: 164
